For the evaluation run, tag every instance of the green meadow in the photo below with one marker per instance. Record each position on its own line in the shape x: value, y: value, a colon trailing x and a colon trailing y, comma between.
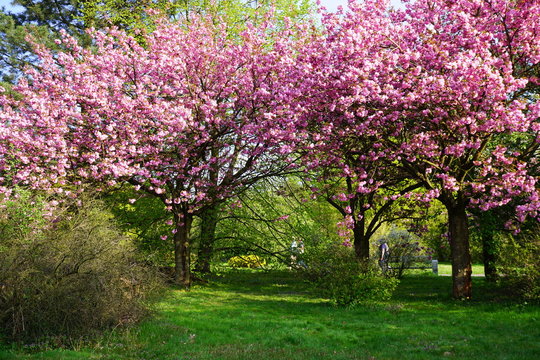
x: 252, y: 314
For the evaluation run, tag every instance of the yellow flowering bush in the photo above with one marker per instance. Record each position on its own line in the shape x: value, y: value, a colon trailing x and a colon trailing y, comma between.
x: 246, y: 261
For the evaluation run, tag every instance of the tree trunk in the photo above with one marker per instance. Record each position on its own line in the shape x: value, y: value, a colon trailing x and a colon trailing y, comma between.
x: 488, y: 225
x: 182, y: 259
x: 458, y: 229
x: 489, y: 250
x: 209, y: 219
x: 361, y: 241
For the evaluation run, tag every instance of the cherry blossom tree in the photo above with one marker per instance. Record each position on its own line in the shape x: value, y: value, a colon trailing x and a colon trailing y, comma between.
x: 367, y: 194
x: 189, y: 118
x: 442, y: 91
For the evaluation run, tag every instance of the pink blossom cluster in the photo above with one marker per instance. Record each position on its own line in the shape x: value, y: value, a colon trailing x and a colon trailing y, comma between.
x: 442, y: 93
x: 189, y: 117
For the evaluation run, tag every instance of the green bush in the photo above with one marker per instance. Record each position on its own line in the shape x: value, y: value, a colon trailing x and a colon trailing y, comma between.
x: 338, y: 275
x: 404, y: 248
x: 518, y: 264
x: 70, y: 279
x: 145, y: 221
x: 246, y: 261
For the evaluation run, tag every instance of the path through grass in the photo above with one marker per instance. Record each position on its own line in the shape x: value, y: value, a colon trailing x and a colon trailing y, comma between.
x: 258, y: 315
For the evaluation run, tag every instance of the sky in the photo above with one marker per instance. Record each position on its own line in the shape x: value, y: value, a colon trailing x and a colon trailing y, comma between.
x: 6, y: 4
x: 331, y: 5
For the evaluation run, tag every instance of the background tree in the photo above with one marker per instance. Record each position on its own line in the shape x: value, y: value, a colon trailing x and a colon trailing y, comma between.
x: 363, y: 210
x: 15, y: 51
x: 269, y: 216
x: 41, y: 20
x: 145, y: 221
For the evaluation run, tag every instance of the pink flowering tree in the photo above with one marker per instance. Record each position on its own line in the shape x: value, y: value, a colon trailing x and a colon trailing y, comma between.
x: 353, y: 173
x: 190, y: 118
x: 365, y: 194
x: 471, y: 129
x: 442, y: 91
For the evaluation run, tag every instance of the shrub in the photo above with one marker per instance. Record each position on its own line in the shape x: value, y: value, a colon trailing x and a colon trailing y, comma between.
x: 70, y: 279
x: 519, y: 266
x: 338, y: 275
x: 247, y: 261
x: 404, y: 250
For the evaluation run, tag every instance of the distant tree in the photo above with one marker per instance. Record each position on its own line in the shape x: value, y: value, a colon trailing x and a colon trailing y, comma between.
x: 270, y: 215
x: 15, y: 51
x: 363, y: 212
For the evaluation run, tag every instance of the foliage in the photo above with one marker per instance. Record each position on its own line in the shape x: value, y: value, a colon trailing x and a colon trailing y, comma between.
x: 404, y: 248
x: 246, y: 261
x: 16, y: 52
x: 436, y: 234
x: 519, y: 264
x: 145, y: 220
x: 70, y: 279
x: 21, y: 218
x: 337, y: 274
x: 55, y: 14
x: 269, y: 216
x: 129, y: 15
x: 132, y: 15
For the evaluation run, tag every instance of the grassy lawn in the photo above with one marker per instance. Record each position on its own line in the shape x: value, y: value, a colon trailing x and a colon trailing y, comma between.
x: 446, y: 269
x: 273, y: 315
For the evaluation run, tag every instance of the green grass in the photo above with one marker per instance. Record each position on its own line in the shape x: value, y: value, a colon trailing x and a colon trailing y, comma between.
x: 273, y: 315
x: 446, y: 269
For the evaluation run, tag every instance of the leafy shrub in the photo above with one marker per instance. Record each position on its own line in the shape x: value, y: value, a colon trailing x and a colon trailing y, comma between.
x: 247, y: 261
x: 519, y: 266
x: 404, y: 250
x: 338, y: 275
x: 70, y: 279
x: 145, y: 221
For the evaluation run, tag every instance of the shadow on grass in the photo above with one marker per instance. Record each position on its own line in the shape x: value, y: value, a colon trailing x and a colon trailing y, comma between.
x: 420, y: 288
x: 261, y: 283
x: 431, y: 288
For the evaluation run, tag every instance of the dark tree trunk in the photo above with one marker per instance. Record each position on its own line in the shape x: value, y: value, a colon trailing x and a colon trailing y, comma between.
x: 488, y: 229
x: 458, y: 229
x: 361, y: 241
x: 182, y: 259
x: 209, y: 219
x: 489, y: 251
